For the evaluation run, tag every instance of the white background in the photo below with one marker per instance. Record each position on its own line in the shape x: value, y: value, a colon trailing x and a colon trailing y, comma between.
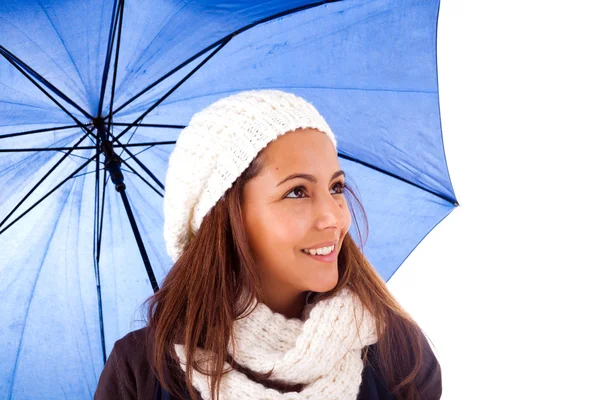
x: 507, y: 287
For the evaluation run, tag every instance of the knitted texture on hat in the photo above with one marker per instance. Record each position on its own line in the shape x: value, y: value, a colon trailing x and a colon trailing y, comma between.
x: 217, y: 146
x: 322, y: 352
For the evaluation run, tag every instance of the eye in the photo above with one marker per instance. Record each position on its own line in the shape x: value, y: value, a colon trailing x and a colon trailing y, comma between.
x: 298, y: 192
x: 338, y: 188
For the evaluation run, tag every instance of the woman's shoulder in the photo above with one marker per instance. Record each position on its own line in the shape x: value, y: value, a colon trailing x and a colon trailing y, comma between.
x: 138, y: 339
x: 133, y: 349
x: 429, y: 377
x: 127, y: 373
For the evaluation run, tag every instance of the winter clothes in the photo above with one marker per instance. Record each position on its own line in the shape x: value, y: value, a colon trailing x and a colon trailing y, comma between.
x: 321, y: 353
x: 127, y: 374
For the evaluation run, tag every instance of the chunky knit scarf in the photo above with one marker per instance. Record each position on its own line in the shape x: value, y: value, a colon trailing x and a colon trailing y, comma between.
x: 322, y: 351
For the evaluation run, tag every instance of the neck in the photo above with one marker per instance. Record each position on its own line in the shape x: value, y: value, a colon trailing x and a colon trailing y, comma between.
x: 290, y: 303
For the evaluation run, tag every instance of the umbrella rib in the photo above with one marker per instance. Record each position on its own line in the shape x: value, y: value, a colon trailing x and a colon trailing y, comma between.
x: 139, y: 152
x: 42, y: 180
x: 79, y: 123
x: 147, y: 125
x: 146, y: 144
x: 84, y: 174
x: 105, y: 180
x: 97, y: 259
x: 58, y: 128
x: 96, y: 199
x: 349, y: 158
x: 14, y: 60
x: 177, y: 85
x: 223, y: 40
x: 114, y: 82
x: 140, y: 243
x: 128, y: 140
x: 36, y: 149
x: 74, y: 155
x: 45, y: 196
x: 96, y: 244
x: 142, y: 178
x: 109, y: 46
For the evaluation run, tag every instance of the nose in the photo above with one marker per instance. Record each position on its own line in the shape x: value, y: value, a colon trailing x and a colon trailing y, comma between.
x: 329, y: 211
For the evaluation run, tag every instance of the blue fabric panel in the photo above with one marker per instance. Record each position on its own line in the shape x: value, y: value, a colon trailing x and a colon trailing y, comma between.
x: 399, y: 216
x: 49, y: 333
x: 65, y: 41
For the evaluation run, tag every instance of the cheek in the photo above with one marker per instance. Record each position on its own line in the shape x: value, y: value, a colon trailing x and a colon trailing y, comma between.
x: 276, y: 241
x: 288, y: 228
x: 348, y: 222
x: 275, y: 233
x: 347, y: 217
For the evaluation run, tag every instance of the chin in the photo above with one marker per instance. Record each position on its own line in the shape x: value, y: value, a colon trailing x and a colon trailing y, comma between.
x: 325, y: 284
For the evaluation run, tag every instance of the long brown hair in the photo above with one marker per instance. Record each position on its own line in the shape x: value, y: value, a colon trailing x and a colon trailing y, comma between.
x: 214, y: 280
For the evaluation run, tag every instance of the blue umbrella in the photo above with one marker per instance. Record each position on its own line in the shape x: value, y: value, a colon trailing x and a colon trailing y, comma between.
x: 93, y: 95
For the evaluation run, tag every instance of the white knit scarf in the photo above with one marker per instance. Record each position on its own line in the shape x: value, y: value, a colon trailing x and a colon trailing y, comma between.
x: 322, y: 351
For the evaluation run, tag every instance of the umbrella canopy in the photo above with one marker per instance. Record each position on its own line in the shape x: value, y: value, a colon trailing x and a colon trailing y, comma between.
x: 93, y: 95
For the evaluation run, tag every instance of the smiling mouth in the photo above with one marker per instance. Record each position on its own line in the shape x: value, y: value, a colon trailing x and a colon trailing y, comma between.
x: 322, y: 251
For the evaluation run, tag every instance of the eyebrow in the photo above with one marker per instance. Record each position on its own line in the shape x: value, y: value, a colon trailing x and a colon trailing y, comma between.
x: 310, y: 177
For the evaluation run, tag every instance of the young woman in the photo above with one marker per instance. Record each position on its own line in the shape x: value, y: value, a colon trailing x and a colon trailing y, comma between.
x: 269, y: 296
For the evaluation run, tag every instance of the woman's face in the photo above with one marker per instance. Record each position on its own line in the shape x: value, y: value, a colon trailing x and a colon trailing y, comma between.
x: 294, y: 206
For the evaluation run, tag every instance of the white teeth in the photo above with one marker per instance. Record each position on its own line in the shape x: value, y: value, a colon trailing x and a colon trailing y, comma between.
x: 323, y: 251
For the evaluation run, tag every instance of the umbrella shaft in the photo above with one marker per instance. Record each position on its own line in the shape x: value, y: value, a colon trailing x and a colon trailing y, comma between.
x: 112, y: 162
x: 113, y: 166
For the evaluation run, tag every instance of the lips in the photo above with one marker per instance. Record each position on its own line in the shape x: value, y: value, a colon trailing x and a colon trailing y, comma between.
x: 331, y: 257
x: 322, y: 244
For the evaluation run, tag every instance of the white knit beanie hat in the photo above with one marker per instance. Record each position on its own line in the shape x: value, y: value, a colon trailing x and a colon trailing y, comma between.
x: 217, y: 146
